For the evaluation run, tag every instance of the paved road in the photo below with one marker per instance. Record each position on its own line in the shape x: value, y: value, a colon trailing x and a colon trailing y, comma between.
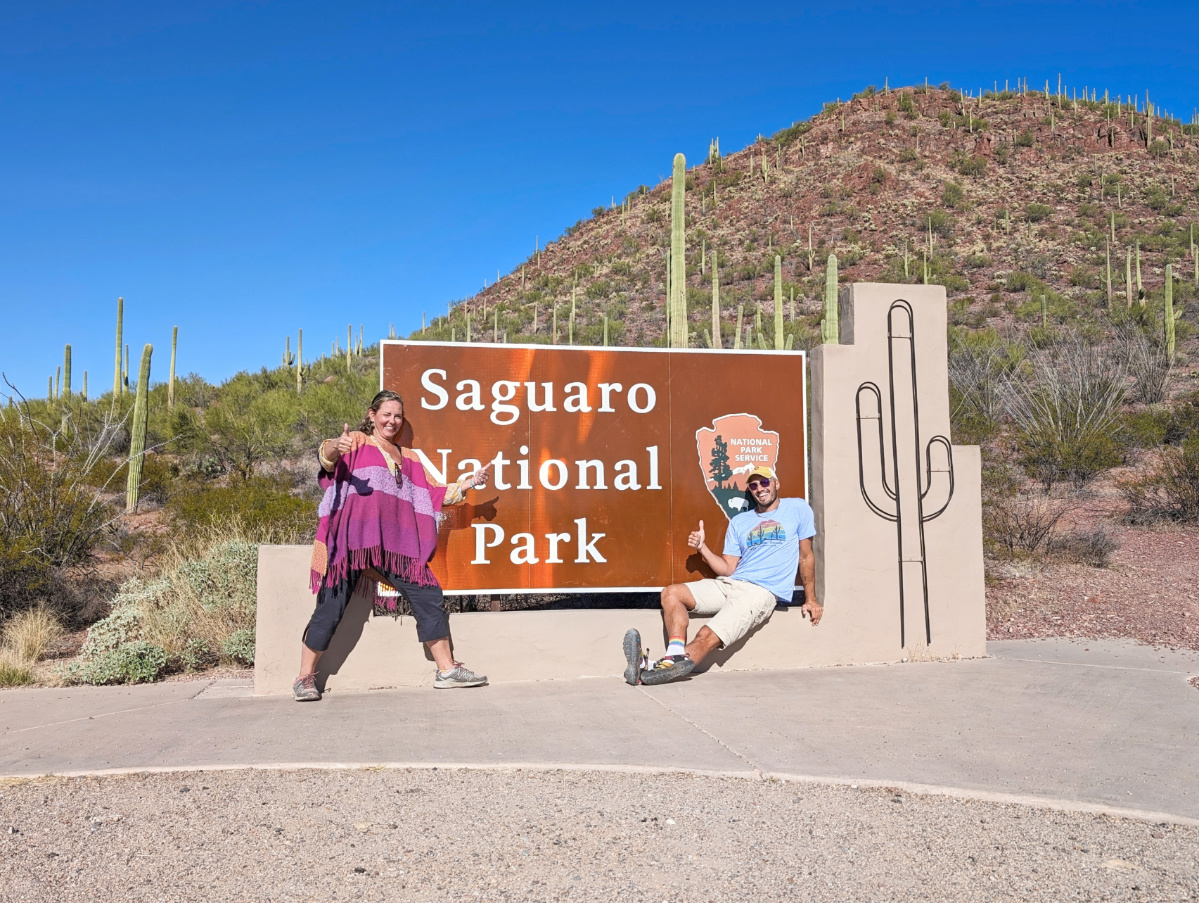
x: 1101, y: 725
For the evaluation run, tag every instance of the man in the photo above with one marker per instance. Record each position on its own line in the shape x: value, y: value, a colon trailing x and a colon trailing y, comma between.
x: 762, y: 548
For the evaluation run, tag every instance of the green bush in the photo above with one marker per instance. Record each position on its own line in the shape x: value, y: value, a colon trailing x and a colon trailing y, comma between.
x: 259, y: 505
x: 953, y: 195
x: 240, y: 646
x: 130, y: 663
x: 204, y: 602
x: 1066, y: 412
x: 1145, y: 428
x: 1170, y: 492
x: 973, y: 166
x: 1035, y: 213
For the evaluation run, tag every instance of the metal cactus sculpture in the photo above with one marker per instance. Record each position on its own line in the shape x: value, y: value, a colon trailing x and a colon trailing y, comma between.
x: 830, y: 326
x: 904, y: 499
x: 677, y: 299
x: 137, y: 438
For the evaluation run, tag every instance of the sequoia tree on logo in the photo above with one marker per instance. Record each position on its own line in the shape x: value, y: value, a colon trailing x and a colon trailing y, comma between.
x: 728, y: 450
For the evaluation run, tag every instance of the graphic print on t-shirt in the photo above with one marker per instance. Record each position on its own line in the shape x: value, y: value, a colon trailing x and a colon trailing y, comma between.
x: 766, y: 531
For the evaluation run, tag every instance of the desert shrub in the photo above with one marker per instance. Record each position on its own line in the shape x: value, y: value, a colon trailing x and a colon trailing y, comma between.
x: 1145, y: 428
x: 978, y: 366
x: 13, y: 671
x: 259, y: 505
x: 27, y: 634
x: 247, y: 427
x: 1065, y: 408
x: 1035, y: 213
x: 240, y: 646
x: 1021, y: 282
x: 1148, y: 364
x: 1183, y: 421
x: 973, y: 166
x: 1093, y: 547
x: 1025, y: 139
x: 205, y: 595
x: 1170, y: 492
x: 952, y: 195
x: 907, y: 155
x: 1019, y: 524
x: 54, y: 509
x: 130, y: 663
x: 941, y: 223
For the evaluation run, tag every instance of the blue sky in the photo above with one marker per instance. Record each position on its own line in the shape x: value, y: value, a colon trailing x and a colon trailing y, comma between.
x: 243, y: 170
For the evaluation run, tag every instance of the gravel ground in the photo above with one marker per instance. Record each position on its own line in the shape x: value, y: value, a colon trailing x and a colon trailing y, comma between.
x: 1149, y: 594
x: 587, y: 836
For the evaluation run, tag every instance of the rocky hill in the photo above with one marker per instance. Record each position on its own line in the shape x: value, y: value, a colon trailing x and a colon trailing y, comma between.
x: 1006, y: 199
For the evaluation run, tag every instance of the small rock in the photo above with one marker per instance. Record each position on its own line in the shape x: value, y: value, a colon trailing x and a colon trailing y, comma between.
x: 359, y: 870
x: 363, y: 826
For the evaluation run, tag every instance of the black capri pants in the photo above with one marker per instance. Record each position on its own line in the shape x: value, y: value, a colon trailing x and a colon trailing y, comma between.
x: 428, y: 607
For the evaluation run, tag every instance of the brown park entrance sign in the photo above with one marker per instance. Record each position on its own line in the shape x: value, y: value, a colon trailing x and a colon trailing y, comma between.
x: 605, y: 459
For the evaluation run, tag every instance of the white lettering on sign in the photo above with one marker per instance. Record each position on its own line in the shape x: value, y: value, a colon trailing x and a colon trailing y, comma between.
x: 554, y: 473
x: 488, y: 536
x: 443, y: 397
x: 651, y: 398
x: 507, y: 398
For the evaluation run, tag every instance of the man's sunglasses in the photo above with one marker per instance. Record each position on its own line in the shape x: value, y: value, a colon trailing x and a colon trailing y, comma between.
x: 761, y: 481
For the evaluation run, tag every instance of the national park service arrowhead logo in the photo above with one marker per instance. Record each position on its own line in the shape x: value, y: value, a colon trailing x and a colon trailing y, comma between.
x: 728, y: 450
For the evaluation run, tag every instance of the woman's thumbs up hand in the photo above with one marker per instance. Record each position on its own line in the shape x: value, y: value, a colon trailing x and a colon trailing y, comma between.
x: 345, y: 444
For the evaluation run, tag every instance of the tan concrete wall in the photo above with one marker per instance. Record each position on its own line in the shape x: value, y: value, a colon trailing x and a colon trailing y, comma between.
x: 857, y: 554
x: 857, y: 551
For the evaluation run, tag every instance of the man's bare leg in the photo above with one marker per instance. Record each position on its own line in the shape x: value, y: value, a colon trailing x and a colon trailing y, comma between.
x: 704, y: 644
x: 677, y: 605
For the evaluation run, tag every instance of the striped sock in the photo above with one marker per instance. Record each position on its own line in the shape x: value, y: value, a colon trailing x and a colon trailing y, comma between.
x: 677, y: 646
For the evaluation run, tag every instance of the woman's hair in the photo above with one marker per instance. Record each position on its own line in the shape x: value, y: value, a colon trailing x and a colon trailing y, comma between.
x: 377, y: 402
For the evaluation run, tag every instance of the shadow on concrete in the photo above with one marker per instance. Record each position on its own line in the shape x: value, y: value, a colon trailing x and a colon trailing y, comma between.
x: 721, y: 656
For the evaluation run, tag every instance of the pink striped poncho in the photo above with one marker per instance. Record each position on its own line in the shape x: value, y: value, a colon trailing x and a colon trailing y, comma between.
x: 370, y: 518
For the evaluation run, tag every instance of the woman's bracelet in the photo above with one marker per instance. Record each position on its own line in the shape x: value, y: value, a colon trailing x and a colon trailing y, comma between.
x: 320, y: 453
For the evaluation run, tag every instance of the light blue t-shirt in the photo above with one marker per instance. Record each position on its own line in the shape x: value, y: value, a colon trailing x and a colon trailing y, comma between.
x: 768, y: 545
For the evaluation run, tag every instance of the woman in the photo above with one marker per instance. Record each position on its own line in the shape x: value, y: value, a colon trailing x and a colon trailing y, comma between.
x: 379, y: 517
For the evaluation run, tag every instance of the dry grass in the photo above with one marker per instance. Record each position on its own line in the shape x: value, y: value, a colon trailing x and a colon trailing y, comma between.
x: 13, y: 671
x: 28, y: 634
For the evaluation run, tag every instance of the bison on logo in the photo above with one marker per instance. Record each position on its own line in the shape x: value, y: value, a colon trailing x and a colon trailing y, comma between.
x: 728, y: 450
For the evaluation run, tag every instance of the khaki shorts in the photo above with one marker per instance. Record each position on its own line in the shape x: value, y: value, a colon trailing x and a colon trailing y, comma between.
x: 738, y: 606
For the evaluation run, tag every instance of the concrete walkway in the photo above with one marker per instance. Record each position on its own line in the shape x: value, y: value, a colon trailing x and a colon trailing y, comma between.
x: 1098, y: 725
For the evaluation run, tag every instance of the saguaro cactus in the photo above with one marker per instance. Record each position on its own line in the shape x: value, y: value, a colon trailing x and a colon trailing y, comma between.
x: 778, y: 303
x: 715, y: 299
x: 1128, y: 276
x: 1171, y: 317
x: 137, y: 439
x: 737, y: 337
x: 678, y: 255
x: 300, y: 362
x: 116, y: 370
x: 66, y: 372
x: 83, y: 394
x: 830, y: 326
x: 171, y: 379
x: 904, y: 498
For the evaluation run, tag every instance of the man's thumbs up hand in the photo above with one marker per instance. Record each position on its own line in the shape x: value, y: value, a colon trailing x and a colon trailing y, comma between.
x: 696, y: 539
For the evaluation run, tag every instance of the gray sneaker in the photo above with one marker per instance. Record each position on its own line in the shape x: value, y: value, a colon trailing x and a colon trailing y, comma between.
x: 632, y: 657
x: 305, y: 689
x: 666, y: 669
x: 458, y: 676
